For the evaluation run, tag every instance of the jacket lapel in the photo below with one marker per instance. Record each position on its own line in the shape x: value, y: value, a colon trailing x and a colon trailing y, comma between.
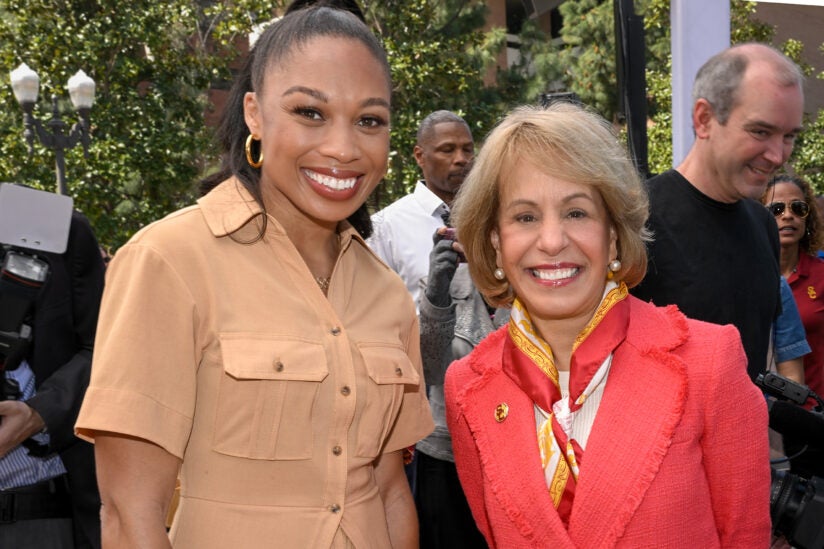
x: 508, y: 450
x: 642, y: 405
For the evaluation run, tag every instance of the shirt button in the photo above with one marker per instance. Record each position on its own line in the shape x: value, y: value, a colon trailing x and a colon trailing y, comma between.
x: 398, y: 371
x: 335, y: 508
x: 278, y: 366
x: 345, y: 390
x: 335, y: 331
x: 337, y: 450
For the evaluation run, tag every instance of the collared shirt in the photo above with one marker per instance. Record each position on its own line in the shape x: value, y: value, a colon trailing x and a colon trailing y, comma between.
x: 18, y: 468
x: 223, y: 350
x: 403, y: 234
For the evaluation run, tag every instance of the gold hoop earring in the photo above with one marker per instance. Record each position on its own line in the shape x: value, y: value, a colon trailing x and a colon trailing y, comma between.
x: 252, y: 137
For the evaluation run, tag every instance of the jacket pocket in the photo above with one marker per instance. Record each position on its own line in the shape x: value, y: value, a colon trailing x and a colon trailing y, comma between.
x: 390, y: 374
x: 266, y: 396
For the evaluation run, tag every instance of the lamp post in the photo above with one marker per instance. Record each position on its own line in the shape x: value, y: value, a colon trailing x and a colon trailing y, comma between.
x: 26, y: 85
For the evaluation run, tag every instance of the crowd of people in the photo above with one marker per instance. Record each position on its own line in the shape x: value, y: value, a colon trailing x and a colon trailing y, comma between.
x: 534, y: 348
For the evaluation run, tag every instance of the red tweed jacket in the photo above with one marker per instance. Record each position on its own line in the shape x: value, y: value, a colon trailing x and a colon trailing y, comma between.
x: 677, y: 457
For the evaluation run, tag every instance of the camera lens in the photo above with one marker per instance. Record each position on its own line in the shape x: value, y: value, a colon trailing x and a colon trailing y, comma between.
x: 796, y: 509
x: 786, y: 495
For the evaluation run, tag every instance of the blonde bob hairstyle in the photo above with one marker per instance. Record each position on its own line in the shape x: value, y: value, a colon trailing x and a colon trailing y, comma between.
x: 564, y: 141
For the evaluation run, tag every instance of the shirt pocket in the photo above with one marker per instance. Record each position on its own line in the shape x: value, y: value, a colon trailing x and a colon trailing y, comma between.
x: 390, y: 374
x: 266, y: 397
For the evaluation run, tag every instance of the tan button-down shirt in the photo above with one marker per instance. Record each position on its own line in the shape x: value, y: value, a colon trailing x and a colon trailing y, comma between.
x: 224, y: 351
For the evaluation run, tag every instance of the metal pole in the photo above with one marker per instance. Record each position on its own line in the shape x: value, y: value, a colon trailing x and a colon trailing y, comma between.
x: 58, y: 142
x: 60, y: 167
x: 700, y: 29
x: 631, y: 70
x: 53, y: 136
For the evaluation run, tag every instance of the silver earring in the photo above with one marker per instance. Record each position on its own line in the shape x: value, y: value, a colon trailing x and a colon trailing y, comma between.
x: 499, y: 274
x: 615, y: 265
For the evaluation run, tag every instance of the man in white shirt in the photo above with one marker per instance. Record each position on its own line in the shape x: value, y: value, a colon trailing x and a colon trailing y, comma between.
x: 403, y: 230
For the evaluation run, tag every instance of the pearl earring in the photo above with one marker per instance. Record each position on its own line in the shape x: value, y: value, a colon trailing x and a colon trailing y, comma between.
x: 615, y: 265
x: 499, y: 274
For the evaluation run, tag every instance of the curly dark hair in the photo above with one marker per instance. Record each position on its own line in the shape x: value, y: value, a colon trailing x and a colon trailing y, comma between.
x: 813, y: 239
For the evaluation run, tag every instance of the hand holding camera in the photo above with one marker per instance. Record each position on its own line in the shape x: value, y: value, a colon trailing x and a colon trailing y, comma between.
x: 450, y: 233
x: 443, y: 262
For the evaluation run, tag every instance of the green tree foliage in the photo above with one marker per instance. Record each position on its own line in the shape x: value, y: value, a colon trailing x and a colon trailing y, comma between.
x: 153, y: 63
x: 439, y: 53
x: 589, y: 53
x: 583, y: 60
x: 744, y: 28
x: 808, y: 155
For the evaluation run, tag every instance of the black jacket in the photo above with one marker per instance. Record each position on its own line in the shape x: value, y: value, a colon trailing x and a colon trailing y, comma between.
x: 65, y: 320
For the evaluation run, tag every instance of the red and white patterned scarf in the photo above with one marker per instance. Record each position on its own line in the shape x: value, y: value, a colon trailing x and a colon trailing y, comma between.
x: 528, y: 360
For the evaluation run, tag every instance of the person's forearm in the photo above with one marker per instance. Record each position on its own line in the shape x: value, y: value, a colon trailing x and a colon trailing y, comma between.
x: 129, y: 528
x: 399, y: 507
x: 402, y: 520
x: 136, y: 481
x: 792, y: 369
x: 17, y: 423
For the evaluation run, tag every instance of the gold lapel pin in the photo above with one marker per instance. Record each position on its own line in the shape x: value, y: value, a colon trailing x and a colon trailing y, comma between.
x: 501, y: 411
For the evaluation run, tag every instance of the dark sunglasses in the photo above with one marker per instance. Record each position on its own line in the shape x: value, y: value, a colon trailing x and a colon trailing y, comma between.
x: 799, y: 208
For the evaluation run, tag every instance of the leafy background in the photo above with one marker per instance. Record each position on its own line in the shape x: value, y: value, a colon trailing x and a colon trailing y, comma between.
x: 156, y: 64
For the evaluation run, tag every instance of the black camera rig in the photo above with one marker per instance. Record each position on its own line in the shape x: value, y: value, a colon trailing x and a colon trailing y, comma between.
x: 797, y: 500
x: 33, y: 225
x: 22, y: 275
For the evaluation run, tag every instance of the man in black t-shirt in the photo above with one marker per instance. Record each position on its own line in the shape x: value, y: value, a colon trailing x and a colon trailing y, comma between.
x: 715, y: 249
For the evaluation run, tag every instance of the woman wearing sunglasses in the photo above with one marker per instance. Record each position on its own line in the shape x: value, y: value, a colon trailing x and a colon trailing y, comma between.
x: 792, y: 201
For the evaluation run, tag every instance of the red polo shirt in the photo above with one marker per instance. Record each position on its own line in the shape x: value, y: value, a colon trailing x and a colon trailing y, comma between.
x: 807, y: 283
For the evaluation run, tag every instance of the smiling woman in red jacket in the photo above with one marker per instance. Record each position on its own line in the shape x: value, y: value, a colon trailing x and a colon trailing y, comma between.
x: 593, y: 419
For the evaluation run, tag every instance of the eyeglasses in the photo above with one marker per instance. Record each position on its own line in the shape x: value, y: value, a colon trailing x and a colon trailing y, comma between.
x: 799, y: 208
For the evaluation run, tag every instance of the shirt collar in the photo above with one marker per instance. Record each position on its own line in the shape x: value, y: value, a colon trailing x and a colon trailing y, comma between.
x: 802, y: 269
x: 230, y: 206
x: 429, y: 201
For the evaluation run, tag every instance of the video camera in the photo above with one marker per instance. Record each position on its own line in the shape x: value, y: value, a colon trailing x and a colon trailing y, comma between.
x: 796, y: 501
x: 32, y: 224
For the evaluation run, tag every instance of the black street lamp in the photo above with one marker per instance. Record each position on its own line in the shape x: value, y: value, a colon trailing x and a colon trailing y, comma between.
x: 26, y: 85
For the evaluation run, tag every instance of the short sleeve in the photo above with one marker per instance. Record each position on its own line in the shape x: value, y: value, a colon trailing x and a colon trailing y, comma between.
x: 143, y: 380
x: 790, y: 337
